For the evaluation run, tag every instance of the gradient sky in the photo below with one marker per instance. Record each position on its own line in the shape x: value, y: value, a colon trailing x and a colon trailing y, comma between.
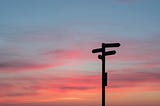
x: 46, y: 59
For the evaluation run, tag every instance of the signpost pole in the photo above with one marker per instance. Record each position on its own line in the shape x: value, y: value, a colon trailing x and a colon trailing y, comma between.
x: 102, y: 57
x: 103, y: 73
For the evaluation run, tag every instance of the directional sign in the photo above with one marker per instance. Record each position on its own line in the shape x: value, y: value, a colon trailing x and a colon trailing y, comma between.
x: 105, y: 45
x: 107, y: 53
x: 110, y: 53
x: 110, y: 45
x: 97, y: 50
x: 102, y: 57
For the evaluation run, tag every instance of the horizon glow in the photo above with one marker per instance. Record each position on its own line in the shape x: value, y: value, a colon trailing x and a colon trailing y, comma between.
x: 46, y: 52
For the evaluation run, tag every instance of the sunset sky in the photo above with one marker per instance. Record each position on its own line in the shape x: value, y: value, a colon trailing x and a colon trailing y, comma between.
x: 46, y: 58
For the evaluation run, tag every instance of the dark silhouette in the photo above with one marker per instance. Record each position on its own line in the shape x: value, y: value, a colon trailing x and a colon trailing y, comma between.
x: 102, y: 57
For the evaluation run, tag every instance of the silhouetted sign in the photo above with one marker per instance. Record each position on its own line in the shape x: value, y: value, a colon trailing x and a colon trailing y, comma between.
x: 102, y: 57
x: 105, y: 45
x: 110, y: 53
x: 97, y: 50
x: 107, y: 53
x: 111, y: 44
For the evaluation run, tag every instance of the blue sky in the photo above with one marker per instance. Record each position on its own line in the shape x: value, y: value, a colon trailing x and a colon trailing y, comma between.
x: 140, y: 17
x: 45, y: 49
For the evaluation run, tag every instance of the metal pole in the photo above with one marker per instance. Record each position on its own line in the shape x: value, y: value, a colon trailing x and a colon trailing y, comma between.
x: 103, y: 73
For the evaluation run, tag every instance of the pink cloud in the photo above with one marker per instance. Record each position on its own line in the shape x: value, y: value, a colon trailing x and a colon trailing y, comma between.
x: 69, y: 56
x: 21, y: 89
x: 65, y: 54
x: 132, y: 78
x: 82, y: 83
x: 17, y: 66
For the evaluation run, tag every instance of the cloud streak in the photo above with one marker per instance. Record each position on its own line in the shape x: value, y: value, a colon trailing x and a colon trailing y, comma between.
x: 134, y: 79
x: 23, y: 86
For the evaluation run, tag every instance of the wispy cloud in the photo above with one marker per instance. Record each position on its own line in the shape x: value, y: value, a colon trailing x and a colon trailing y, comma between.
x: 14, y: 66
x: 131, y: 78
x: 66, y: 54
x: 25, y: 86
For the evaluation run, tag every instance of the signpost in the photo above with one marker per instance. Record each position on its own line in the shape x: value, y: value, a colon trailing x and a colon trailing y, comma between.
x: 102, y: 57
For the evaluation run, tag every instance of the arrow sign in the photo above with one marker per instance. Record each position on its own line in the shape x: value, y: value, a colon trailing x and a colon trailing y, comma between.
x: 110, y: 53
x: 107, y: 53
x: 97, y: 50
x: 110, y: 44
